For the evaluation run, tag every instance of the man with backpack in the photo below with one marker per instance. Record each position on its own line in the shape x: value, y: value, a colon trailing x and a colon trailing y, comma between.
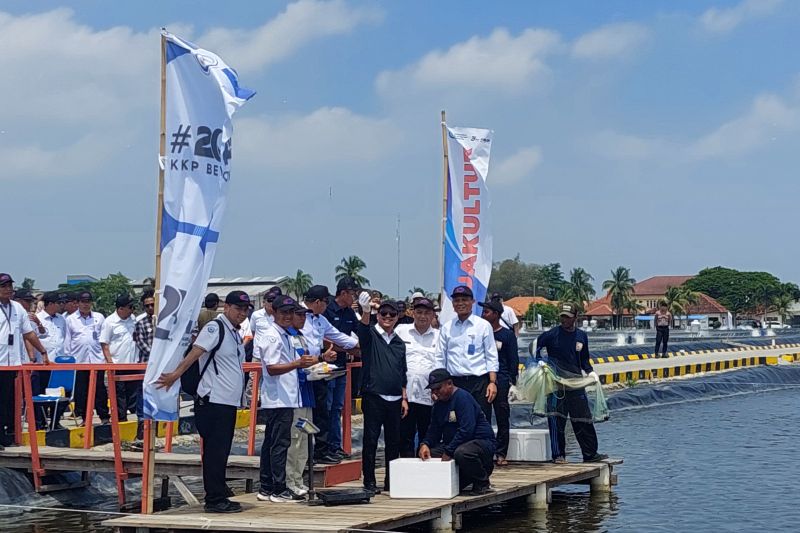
x: 212, y: 372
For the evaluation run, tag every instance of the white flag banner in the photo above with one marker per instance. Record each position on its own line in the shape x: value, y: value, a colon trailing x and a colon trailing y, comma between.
x: 468, y: 230
x: 202, y: 94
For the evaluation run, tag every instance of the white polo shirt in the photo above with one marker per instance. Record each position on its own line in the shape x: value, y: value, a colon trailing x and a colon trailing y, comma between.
x: 223, y: 380
x: 317, y: 328
x: 467, y: 348
x: 82, y: 339
x: 14, y: 323
x: 118, y: 334
x: 509, y: 317
x: 275, y: 348
x: 53, y: 338
x: 260, y: 322
x: 420, y: 360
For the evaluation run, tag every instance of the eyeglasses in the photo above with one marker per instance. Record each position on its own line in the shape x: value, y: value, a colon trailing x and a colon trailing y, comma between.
x: 388, y: 314
x: 149, y: 305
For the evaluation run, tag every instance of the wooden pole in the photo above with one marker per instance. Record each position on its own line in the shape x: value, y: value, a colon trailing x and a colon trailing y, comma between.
x: 149, y: 458
x: 444, y: 204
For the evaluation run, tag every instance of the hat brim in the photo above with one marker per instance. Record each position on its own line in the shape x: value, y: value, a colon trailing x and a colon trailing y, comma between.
x: 564, y: 313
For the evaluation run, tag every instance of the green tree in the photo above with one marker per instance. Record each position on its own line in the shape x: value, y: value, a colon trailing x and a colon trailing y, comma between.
x: 620, y: 289
x: 782, y: 304
x: 28, y: 283
x: 104, y: 291
x: 553, y: 279
x: 299, y: 284
x: 513, y: 277
x: 578, y: 289
x: 549, y: 314
x: 740, y: 292
x: 679, y: 300
x: 352, y: 266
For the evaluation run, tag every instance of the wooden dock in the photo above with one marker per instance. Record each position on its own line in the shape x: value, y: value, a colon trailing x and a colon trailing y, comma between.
x: 531, y: 481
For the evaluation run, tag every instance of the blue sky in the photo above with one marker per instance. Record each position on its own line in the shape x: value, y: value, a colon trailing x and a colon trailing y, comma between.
x: 657, y: 135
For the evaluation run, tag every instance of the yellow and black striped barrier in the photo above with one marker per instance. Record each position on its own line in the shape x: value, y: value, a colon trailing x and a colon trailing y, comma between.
x: 644, y: 356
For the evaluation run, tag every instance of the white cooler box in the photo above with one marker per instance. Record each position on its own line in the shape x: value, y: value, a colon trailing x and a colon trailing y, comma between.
x: 415, y: 478
x: 528, y: 445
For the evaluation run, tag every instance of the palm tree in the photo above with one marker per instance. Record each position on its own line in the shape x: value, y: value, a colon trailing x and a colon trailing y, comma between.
x: 578, y: 289
x: 633, y: 306
x: 679, y: 299
x: 782, y: 304
x: 299, y: 284
x: 352, y: 267
x: 620, y: 289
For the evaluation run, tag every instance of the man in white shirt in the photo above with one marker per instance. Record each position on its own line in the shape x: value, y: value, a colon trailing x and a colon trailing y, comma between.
x: 280, y: 395
x: 116, y: 340
x: 468, y: 351
x: 82, y: 341
x: 53, y: 341
x: 421, y: 341
x: 261, y: 320
x: 509, y: 318
x: 70, y: 304
x: 15, y: 328
x: 219, y: 394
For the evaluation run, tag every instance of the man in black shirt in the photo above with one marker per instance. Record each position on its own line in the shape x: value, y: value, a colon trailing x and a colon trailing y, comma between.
x: 384, y: 402
x: 508, y: 358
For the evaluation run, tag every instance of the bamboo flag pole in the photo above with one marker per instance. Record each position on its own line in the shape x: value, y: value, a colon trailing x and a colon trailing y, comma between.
x: 444, y: 205
x: 149, y: 458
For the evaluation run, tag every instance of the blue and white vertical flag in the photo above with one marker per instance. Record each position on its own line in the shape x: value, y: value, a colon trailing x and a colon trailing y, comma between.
x: 468, y: 230
x: 202, y: 94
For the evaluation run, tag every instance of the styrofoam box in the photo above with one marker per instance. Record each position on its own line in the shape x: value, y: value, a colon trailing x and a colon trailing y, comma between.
x: 529, y: 445
x: 415, y: 478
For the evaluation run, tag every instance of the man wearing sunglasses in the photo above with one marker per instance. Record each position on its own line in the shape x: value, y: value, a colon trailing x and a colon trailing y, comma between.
x: 383, y: 385
x: 116, y: 341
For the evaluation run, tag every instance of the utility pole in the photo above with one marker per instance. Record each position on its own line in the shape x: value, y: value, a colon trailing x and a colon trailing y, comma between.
x: 398, y: 255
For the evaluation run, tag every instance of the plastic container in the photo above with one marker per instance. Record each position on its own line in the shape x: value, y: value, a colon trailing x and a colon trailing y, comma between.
x: 528, y: 445
x: 415, y: 478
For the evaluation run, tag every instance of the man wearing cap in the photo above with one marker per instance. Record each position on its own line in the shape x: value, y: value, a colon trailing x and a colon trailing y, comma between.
x: 468, y: 351
x: 261, y: 320
x: 508, y: 358
x: 316, y: 331
x: 15, y: 329
x: 421, y: 340
x: 27, y: 300
x: 53, y: 341
x: 70, y: 304
x: 459, y: 430
x: 219, y: 394
x: 384, y: 377
x: 568, y: 353
x: 143, y: 331
x: 116, y: 340
x: 82, y: 342
x: 341, y: 315
x: 509, y: 318
x: 209, y: 311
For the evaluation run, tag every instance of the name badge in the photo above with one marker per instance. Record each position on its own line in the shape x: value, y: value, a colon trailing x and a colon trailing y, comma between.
x: 471, y: 349
x: 499, y: 344
x: 452, y: 417
x: 95, y: 336
x: 578, y: 346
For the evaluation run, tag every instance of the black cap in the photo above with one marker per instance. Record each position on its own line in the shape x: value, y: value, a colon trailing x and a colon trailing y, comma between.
x: 71, y: 297
x: 6, y: 278
x: 212, y: 300
x: 391, y: 304
x: 273, y: 293
x: 462, y: 290
x: 51, y: 297
x: 317, y: 292
x: 496, y: 296
x: 424, y: 302
x: 238, y: 298
x: 347, y: 284
x: 123, y: 300
x: 493, y: 305
x: 63, y: 297
x: 283, y: 303
x: 85, y: 296
x: 23, y: 294
x: 438, y: 376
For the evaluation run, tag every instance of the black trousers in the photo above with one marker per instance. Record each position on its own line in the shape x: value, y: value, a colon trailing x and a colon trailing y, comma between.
x: 662, y: 337
x: 476, y: 386
x: 502, y: 414
x: 475, y: 462
x: 322, y: 418
x: 379, y: 413
x: 7, y: 407
x: 415, y: 423
x: 82, y: 394
x: 215, y: 424
x: 572, y: 403
x: 277, y: 438
x: 128, y: 394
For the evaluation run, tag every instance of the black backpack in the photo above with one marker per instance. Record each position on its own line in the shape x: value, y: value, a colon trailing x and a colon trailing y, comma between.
x: 190, y: 380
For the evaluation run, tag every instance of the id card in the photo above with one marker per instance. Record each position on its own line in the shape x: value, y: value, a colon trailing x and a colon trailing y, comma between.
x: 471, y: 349
x: 11, y: 339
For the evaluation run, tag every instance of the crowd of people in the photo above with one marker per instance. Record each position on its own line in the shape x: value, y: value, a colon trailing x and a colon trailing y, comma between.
x: 431, y: 388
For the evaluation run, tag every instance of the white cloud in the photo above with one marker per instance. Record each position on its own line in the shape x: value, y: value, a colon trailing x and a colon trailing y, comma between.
x: 724, y: 20
x: 614, y: 145
x: 500, y: 62
x: 610, y: 41
x: 516, y: 167
x: 302, y: 22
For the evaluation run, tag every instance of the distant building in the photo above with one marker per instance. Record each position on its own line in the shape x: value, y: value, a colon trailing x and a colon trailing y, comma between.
x: 76, y: 279
x: 520, y: 304
x: 255, y: 287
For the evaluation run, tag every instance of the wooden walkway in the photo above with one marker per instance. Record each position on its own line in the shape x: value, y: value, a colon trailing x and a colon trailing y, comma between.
x: 532, y: 481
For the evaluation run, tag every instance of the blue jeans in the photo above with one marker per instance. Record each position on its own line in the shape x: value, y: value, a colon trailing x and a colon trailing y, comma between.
x: 336, y: 390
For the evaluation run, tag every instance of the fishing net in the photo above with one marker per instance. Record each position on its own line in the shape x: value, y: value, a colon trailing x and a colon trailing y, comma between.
x: 543, y: 387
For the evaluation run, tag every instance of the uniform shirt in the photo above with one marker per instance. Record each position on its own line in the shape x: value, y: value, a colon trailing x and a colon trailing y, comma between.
x: 260, y: 322
x: 467, y: 348
x: 317, y: 328
x: 507, y: 355
x: 82, y: 340
x: 344, y: 319
x: 456, y: 421
x: 118, y: 334
x: 509, y: 317
x: 223, y: 380
x: 14, y: 323
x: 300, y: 346
x: 567, y: 351
x: 283, y: 390
x: 420, y: 360
x: 53, y: 338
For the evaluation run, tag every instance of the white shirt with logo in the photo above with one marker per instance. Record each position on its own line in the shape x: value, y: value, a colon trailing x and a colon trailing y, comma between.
x: 14, y: 323
x: 118, y: 334
x: 281, y: 391
x: 223, y: 381
x: 509, y: 317
x: 420, y: 360
x: 467, y: 348
x: 53, y: 338
x: 82, y: 340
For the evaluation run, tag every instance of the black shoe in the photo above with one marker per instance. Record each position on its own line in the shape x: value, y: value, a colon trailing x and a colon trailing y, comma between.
x: 665, y: 356
x: 596, y: 458
x: 224, y: 506
x: 372, y: 487
x: 327, y: 460
x: 105, y: 421
x: 58, y: 427
x: 656, y: 356
x: 341, y: 454
x: 479, y: 489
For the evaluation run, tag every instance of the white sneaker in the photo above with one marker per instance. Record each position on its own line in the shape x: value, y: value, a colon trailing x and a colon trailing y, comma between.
x: 285, y: 497
x: 263, y: 496
x: 300, y: 492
